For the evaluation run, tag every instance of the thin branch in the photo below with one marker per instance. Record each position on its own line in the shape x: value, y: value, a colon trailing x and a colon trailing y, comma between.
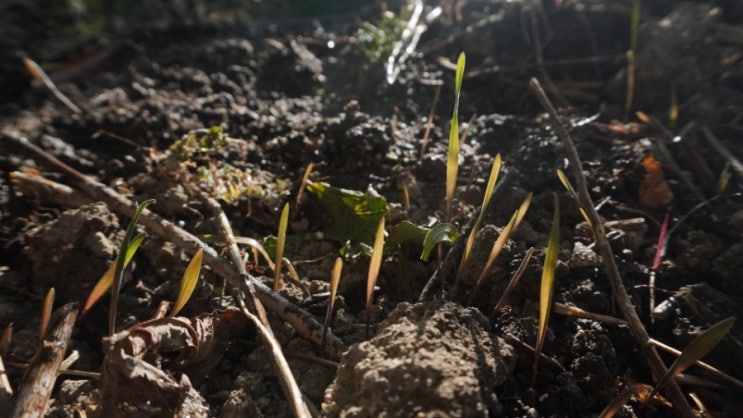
x: 305, y: 324
x: 621, y: 297
x: 39, y: 379
x: 258, y: 316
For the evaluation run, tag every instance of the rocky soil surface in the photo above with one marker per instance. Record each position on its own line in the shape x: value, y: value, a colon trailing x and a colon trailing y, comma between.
x: 361, y: 100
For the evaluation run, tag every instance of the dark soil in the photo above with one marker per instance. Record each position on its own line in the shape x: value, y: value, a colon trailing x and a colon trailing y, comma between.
x: 294, y: 91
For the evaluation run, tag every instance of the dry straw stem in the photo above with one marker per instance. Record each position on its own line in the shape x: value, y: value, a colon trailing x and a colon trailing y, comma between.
x: 374, y: 265
x: 257, y: 315
x: 38, y: 381
x: 636, y: 328
x: 305, y: 324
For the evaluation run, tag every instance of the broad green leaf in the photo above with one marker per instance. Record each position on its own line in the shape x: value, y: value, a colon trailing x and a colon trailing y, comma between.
x: 355, y: 215
x: 548, y: 283
x: 440, y: 233
x: 46, y: 312
x: 698, y: 348
x: 119, y: 269
x: 188, y: 282
x: 107, y: 279
x: 407, y: 232
x: 374, y: 265
x: 334, y: 280
x: 452, y: 159
x: 283, y: 222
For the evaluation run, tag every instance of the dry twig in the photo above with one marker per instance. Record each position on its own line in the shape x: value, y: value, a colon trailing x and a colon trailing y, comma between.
x: 680, y: 405
x: 305, y: 324
x: 41, y: 374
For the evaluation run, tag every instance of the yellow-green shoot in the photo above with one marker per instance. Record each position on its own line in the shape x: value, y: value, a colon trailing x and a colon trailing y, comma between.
x: 497, y: 247
x: 280, y: 243
x: 188, y: 282
x: 334, y: 280
x: 698, y: 348
x: 374, y: 265
x: 46, y: 312
x: 569, y: 187
x: 120, y: 262
x: 107, y: 279
x: 548, y: 284
x: 634, y: 25
x: 452, y: 158
x: 494, y: 171
x: 514, y: 280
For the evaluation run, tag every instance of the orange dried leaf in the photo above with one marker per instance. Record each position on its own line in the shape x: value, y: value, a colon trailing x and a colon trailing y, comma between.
x: 654, y: 190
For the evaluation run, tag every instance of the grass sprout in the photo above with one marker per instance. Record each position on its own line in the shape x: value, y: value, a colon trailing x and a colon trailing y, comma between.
x: 335, y: 278
x: 374, y: 265
x: 494, y: 171
x: 497, y: 247
x: 634, y: 25
x: 107, y: 279
x: 46, y: 312
x: 548, y: 283
x: 188, y: 282
x: 119, y: 269
x: 698, y: 348
x: 283, y: 222
x: 565, y: 182
x: 514, y: 280
x: 621, y: 399
x: 452, y: 158
x: 38, y: 73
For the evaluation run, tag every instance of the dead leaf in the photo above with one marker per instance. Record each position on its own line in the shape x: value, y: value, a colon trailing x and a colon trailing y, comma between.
x: 654, y: 191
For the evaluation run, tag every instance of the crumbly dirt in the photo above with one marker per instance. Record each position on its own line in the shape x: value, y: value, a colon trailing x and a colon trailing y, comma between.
x: 292, y: 91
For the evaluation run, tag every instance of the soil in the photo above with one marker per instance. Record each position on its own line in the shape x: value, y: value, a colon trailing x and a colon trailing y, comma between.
x: 291, y: 92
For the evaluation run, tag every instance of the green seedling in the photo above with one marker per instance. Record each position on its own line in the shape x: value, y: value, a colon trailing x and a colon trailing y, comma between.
x: 354, y: 214
x: 698, y: 348
x: 334, y: 280
x: 724, y: 181
x: 257, y: 247
x: 283, y: 222
x: 107, y: 280
x: 452, y: 158
x: 514, y: 280
x: 494, y: 171
x: 673, y: 110
x: 548, y: 284
x: 188, y: 282
x: 569, y: 187
x: 46, y: 312
x: 442, y: 233
x: 120, y: 262
x: 407, y: 232
x: 634, y: 25
x: 374, y: 265
x: 497, y: 247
